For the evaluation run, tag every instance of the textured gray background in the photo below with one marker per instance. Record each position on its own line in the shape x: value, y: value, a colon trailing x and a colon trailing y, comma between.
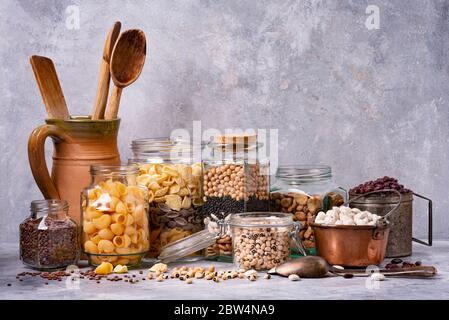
x: 367, y: 102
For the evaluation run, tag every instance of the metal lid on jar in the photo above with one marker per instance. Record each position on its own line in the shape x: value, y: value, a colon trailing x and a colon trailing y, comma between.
x: 261, y: 220
x: 187, y: 246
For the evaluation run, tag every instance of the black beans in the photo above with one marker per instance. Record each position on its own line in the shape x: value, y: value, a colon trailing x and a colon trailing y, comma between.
x: 396, y: 261
x: 348, y: 275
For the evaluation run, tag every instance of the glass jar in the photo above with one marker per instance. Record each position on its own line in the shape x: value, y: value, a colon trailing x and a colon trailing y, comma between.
x: 260, y: 240
x: 236, y: 180
x: 173, y: 181
x: 115, y: 216
x: 48, y: 237
x: 304, y: 190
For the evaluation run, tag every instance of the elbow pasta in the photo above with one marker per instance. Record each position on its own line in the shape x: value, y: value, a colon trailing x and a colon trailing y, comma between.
x: 115, y: 223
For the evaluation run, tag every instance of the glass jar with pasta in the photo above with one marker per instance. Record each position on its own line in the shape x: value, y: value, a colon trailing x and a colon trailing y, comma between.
x: 173, y: 180
x: 115, y: 224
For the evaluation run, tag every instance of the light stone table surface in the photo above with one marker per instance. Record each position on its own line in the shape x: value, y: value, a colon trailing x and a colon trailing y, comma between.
x: 275, y: 288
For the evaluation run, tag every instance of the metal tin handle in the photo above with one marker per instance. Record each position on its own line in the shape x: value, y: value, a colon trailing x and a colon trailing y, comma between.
x: 429, y: 222
x: 294, y: 236
x: 380, y: 191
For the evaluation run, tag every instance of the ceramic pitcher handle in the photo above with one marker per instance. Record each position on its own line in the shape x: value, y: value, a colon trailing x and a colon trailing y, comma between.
x: 36, y: 156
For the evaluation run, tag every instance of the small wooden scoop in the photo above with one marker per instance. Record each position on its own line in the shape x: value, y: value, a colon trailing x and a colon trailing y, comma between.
x: 104, y: 79
x: 49, y: 86
x: 128, y: 58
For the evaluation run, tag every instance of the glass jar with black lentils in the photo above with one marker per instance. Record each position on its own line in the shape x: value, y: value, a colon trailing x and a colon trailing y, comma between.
x: 235, y: 180
x: 172, y: 175
x: 48, y: 237
x: 304, y: 190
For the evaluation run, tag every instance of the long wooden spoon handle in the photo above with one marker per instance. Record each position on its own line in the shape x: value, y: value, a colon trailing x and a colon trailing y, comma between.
x: 102, y: 92
x: 104, y: 78
x: 114, y: 102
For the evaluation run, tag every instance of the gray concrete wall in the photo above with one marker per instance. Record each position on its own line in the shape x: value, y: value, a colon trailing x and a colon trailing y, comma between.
x: 368, y: 102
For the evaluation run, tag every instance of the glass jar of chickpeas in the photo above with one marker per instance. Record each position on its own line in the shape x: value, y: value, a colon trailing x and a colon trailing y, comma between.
x: 235, y: 180
x: 115, y: 224
x: 173, y: 180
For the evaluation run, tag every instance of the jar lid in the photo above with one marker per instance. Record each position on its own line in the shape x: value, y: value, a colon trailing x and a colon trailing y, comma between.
x: 114, y: 170
x: 187, y: 246
x: 261, y: 219
x: 49, y: 205
x: 305, y: 173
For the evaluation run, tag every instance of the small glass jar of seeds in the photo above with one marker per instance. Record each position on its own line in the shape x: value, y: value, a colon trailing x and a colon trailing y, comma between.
x: 260, y: 240
x: 48, y: 237
x: 302, y: 191
x: 114, y: 216
x: 236, y: 180
x: 173, y: 180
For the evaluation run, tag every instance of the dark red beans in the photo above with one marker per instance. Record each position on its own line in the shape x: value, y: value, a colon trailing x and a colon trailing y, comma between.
x: 379, y: 184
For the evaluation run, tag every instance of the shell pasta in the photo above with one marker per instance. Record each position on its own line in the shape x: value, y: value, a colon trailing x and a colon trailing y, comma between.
x: 115, y: 223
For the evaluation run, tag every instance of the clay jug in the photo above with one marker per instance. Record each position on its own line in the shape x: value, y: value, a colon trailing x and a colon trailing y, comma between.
x: 78, y: 143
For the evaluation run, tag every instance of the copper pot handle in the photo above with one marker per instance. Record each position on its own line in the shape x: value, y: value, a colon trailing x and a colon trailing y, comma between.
x: 36, y: 156
x: 429, y: 222
x: 380, y: 191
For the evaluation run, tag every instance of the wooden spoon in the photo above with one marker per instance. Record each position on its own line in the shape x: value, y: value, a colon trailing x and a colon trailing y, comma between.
x: 49, y: 86
x: 128, y: 58
x: 104, y: 79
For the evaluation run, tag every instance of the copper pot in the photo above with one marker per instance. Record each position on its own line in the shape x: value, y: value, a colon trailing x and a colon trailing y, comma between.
x: 354, y: 246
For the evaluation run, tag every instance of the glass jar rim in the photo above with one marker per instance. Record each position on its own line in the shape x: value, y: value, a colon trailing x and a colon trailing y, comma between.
x: 123, y: 169
x: 49, y: 205
x: 304, y: 172
x: 261, y: 219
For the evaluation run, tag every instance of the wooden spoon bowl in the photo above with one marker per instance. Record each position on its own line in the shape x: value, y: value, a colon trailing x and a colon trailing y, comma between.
x: 128, y: 58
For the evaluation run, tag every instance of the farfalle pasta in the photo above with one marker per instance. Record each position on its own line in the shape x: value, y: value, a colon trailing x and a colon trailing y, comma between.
x: 115, y: 221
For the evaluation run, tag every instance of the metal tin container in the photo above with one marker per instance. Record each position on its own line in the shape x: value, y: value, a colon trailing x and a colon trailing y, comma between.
x: 400, y: 239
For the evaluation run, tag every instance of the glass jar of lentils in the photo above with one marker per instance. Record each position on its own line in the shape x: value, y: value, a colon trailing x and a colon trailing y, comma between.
x: 173, y: 180
x: 302, y: 191
x: 236, y: 180
x: 48, y: 237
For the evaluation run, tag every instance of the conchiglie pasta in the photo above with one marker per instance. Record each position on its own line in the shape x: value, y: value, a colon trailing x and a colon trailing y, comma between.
x: 120, y: 208
x: 119, y: 241
x: 115, y: 220
x: 90, y: 213
x: 90, y: 247
x: 117, y: 228
x: 105, y: 246
x: 95, y: 238
x: 102, y: 222
x: 106, y: 234
x: 121, y: 189
x: 129, y: 220
x: 124, y: 250
x: 89, y: 228
x: 130, y: 230
x: 119, y: 218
